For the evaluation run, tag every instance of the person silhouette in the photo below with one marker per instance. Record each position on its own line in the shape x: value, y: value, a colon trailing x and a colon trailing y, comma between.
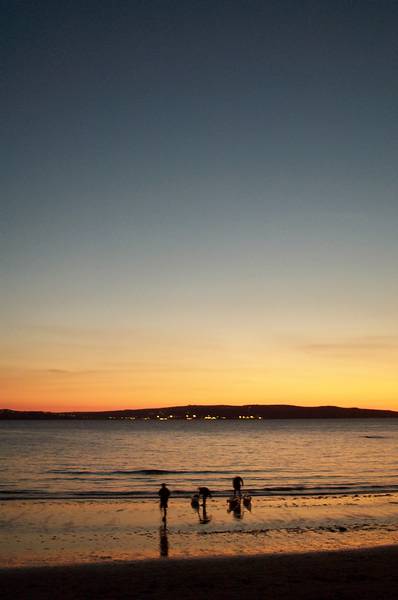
x: 237, y: 483
x: 204, y: 493
x: 235, y: 506
x: 164, y: 494
x: 200, y: 509
x: 237, y: 511
x: 195, y: 501
x: 247, y: 502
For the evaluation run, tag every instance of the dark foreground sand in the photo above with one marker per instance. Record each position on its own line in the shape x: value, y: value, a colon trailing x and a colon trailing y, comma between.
x: 360, y: 574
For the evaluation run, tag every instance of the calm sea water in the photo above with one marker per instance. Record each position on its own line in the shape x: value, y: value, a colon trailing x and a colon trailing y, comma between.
x: 89, y: 459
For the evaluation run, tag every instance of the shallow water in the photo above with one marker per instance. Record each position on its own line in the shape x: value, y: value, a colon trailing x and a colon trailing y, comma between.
x: 113, y: 459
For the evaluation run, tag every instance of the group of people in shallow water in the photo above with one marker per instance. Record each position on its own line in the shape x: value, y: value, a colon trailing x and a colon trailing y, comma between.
x: 236, y: 504
x: 199, y: 500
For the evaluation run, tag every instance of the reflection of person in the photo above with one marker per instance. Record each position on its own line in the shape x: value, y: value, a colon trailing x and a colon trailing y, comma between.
x: 164, y: 494
x: 204, y: 518
x: 237, y: 483
x: 163, y: 539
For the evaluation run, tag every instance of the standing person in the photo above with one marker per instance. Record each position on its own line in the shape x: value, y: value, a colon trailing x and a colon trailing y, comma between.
x: 237, y: 483
x: 204, y: 493
x: 164, y: 494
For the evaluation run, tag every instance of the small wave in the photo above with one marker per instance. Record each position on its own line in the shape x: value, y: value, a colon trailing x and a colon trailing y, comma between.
x: 78, y: 478
x: 103, y: 494
x: 22, y: 493
x: 117, y: 472
x: 143, y: 472
x: 150, y: 472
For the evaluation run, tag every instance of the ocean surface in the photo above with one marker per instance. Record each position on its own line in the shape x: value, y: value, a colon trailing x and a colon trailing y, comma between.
x: 119, y: 459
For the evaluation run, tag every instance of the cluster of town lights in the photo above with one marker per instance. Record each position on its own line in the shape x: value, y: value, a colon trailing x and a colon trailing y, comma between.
x: 187, y: 418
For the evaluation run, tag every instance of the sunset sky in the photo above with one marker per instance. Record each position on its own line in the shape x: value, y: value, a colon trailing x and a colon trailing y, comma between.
x: 199, y: 203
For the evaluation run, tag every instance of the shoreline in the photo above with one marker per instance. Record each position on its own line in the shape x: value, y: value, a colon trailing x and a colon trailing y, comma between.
x: 368, y: 573
x: 268, y: 493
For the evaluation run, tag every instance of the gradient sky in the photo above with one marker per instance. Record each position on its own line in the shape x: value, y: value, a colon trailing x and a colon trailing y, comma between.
x: 199, y: 203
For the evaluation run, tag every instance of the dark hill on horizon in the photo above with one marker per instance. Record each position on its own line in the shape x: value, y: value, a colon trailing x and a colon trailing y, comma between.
x: 220, y: 411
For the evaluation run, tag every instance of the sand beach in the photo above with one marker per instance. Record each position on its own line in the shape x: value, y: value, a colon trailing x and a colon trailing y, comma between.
x: 366, y: 574
x: 341, y: 546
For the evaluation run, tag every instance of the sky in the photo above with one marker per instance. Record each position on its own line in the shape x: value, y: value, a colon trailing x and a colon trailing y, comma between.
x: 198, y: 203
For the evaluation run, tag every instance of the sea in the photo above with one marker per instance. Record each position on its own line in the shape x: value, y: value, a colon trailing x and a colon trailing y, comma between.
x: 130, y: 459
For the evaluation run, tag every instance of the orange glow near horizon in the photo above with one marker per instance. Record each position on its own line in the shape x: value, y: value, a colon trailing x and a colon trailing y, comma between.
x: 306, y: 375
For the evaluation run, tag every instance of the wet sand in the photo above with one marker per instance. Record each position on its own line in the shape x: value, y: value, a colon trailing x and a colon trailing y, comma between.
x: 366, y: 574
x: 45, y: 533
x: 323, y: 547
x: 319, y: 547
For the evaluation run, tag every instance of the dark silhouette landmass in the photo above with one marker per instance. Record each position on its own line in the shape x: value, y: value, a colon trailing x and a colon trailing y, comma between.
x: 216, y: 411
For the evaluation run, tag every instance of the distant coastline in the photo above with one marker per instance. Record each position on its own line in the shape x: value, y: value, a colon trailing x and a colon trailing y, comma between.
x: 210, y: 412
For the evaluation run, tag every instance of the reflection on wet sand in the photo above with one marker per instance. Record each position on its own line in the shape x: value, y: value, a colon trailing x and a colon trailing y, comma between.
x: 204, y: 518
x: 79, y: 531
x: 163, y: 539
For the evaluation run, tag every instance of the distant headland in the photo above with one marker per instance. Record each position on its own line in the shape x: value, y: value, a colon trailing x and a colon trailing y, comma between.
x: 209, y: 412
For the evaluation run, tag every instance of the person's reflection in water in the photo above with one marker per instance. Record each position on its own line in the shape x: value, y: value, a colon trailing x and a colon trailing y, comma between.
x: 163, y: 539
x: 204, y: 518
